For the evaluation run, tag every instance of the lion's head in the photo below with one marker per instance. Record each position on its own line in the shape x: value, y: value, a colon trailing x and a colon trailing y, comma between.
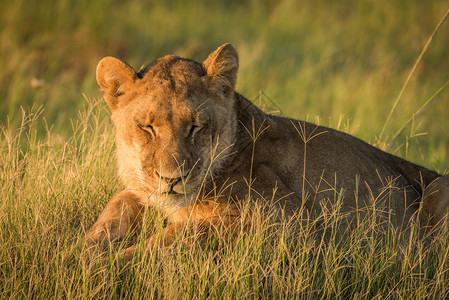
x: 175, y: 119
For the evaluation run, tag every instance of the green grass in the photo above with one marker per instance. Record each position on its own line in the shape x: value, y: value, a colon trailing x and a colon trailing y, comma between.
x: 54, y: 189
x: 334, y: 62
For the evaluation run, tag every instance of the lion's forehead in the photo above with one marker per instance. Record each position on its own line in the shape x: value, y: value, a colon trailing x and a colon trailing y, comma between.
x: 172, y: 90
x: 165, y: 108
x: 173, y: 72
x: 173, y: 86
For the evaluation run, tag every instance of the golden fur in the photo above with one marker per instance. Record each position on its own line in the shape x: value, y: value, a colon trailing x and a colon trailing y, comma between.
x: 190, y: 145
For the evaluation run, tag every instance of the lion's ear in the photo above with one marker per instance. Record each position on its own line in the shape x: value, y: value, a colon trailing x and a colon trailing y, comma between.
x: 115, y: 79
x: 222, y: 66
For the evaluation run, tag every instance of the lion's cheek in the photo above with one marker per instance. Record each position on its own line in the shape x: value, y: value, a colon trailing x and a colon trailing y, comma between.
x: 147, y: 162
x: 140, y: 139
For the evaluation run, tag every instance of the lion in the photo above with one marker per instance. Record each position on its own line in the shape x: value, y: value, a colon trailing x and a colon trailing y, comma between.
x: 190, y: 145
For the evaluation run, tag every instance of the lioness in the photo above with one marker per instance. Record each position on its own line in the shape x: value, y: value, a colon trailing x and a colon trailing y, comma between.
x: 190, y: 145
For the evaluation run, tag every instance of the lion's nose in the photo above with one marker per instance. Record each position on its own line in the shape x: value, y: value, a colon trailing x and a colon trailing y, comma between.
x: 171, y: 181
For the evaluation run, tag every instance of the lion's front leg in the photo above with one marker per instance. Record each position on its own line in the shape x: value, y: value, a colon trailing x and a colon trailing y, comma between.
x: 193, y: 220
x: 122, y: 213
x: 166, y: 238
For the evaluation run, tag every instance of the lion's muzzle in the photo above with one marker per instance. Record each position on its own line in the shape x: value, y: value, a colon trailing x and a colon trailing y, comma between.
x: 173, y: 184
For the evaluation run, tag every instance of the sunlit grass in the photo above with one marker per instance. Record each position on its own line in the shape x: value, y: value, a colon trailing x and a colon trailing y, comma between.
x: 53, y: 189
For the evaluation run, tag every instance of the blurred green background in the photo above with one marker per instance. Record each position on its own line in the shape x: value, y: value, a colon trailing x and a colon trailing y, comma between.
x: 338, y: 63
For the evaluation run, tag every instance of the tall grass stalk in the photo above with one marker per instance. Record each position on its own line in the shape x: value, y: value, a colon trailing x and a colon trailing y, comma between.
x: 415, y: 65
x: 425, y: 106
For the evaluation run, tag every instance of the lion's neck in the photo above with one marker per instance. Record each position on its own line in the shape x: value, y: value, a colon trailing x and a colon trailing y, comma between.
x: 250, y: 120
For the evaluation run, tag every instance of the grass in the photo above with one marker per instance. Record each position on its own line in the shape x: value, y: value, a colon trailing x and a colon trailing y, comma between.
x: 304, y: 59
x: 54, y: 190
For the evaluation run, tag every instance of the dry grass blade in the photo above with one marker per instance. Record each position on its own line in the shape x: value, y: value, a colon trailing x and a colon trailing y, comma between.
x: 418, y: 60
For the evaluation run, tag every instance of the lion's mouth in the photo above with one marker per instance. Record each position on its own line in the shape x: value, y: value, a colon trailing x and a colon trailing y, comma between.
x: 172, y: 192
x: 175, y: 189
x: 184, y: 185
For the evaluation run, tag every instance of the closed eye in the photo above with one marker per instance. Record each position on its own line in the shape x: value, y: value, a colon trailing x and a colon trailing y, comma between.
x: 148, y: 128
x: 193, y: 130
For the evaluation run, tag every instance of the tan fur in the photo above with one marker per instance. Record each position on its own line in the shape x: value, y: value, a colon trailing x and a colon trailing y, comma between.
x: 190, y: 145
